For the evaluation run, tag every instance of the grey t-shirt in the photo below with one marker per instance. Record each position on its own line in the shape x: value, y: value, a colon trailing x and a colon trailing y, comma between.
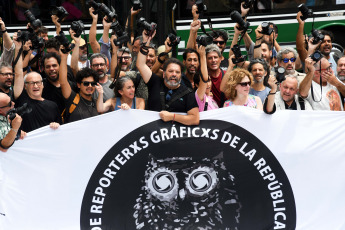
x: 107, y: 92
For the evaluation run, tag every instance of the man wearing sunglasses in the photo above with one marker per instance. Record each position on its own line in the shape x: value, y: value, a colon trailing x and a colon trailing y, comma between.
x: 286, y: 58
x: 8, y: 128
x: 220, y: 37
x: 79, y: 105
x: 320, y: 87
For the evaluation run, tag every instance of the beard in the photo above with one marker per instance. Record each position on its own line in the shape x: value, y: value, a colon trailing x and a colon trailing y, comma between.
x: 83, y: 57
x: 258, y: 81
x: 170, y: 83
x: 5, y: 86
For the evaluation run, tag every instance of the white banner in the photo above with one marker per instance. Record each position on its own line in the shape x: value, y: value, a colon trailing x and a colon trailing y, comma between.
x: 239, y: 169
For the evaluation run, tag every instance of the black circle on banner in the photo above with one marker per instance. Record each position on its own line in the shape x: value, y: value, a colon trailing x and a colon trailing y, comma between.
x: 163, y: 176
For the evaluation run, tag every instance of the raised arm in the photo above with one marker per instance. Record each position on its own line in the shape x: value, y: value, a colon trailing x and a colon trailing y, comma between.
x: 93, y: 31
x: 133, y: 14
x: 302, y: 52
x: 113, y: 63
x: 156, y: 68
x: 269, y: 102
x: 102, y: 107
x: 227, y: 74
x: 65, y: 86
x: 75, y: 53
x: 144, y: 70
x: 56, y: 23
x: 306, y: 83
x: 194, y: 27
x: 258, y: 39
x: 5, y: 35
x: 18, y: 71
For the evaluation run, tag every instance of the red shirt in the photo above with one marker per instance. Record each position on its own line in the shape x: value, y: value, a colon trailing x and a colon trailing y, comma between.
x: 216, y: 88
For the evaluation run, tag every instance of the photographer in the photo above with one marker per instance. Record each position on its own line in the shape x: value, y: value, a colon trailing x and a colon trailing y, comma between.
x: 8, y: 128
x: 8, y: 51
x: 287, y: 98
x: 320, y: 87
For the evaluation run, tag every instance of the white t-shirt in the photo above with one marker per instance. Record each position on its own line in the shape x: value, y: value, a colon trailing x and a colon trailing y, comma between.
x: 330, y: 99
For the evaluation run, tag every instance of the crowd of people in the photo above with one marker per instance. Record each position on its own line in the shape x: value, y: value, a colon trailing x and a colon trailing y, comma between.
x: 63, y: 84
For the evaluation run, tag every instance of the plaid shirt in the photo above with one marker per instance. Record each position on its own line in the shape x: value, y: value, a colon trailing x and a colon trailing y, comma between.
x: 4, y: 127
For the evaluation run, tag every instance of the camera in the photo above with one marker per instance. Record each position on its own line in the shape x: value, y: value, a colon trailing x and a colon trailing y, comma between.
x: 174, y: 40
x: 35, y: 23
x: 59, y: 11
x: 36, y: 42
x: 20, y: 111
x: 77, y: 27
x: 305, y: 12
x: 149, y: 27
x: 68, y: 46
x: 23, y: 36
x: 238, y: 55
x: 280, y: 74
x: 137, y: 5
x: 235, y: 16
x: 201, y: 6
x: 204, y: 40
x: 122, y: 37
x: 101, y: 7
x: 316, y: 56
x: 317, y: 35
x: 247, y: 4
x: 266, y: 29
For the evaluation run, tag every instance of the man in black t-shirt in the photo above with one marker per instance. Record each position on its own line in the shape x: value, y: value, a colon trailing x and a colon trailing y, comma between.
x: 44, y: 112
x: 167, y: 95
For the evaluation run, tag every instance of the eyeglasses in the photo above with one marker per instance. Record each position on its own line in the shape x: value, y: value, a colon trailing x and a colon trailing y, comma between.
x: 286, y: 60
x: 32, y: 83
x: 126, y: 58
x: 244, y: 84
x: 220, y: 42
x: 327, y: 69
x: 100, y: 65
x: 7, y: 74
x: 83, y: 47
x: 8, y: 105
x: 87, y: 83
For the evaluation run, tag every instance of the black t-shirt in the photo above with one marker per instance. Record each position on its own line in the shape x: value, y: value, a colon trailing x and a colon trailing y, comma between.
x: 224, y: 64
x: 185, y: 81
x: 42, y: 114
x: 183, y: 105
x: 84, y: 108
x: 10, y: 93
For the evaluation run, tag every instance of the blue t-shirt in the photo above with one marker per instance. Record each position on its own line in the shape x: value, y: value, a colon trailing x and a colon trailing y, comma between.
x: 262, y: 94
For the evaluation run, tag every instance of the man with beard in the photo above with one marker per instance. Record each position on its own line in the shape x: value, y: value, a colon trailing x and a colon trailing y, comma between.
x: 321, y: 87
x: 220, y: 37
x: 79, y: 105
x: 287, y: 98
x: 326, y: 48
x: 213, y: 58
x: 259, y: 69
x: 286, y: 58
x: 341, y: 73
x: 191, y: 61
x: 168, y: 95
x: 98, y: 63
x: 79, y: 56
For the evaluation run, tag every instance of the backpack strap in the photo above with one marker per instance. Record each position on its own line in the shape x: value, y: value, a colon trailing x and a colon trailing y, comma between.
x: 72, y: 107
x: 166, y: 106
x: 301, y: 103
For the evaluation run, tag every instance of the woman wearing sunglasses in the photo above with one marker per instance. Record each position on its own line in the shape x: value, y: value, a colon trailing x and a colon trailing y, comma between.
x: 237, y: 90
x: 125, y: 97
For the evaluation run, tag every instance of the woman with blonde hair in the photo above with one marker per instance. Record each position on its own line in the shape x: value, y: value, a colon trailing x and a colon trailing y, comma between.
x: 237, y: 90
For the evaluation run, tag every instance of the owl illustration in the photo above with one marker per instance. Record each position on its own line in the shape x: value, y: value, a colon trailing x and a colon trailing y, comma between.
x: 182, y: 193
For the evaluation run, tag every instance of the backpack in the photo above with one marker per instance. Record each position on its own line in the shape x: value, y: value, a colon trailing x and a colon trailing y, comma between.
x: 64, y: 115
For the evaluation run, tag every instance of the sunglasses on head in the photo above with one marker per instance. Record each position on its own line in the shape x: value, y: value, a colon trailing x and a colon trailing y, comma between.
x: 87, y: 83
x: 220, y: 42
x: 286, y: 60
x: 244, y: 84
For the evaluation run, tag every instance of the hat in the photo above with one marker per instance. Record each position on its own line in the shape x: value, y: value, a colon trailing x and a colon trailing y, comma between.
x: 82, y: 42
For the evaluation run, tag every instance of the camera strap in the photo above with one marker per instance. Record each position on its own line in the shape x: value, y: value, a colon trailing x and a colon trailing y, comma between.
x: 18, y: 56
x: 311, y: 87
x: 1, y: 41
x: 209, y: 25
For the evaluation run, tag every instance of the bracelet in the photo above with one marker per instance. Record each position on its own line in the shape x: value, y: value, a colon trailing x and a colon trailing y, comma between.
x: 257, y: 39
x: 272, y: 93
x: 15, y: 130
x: 257, y: 46
x: 4, y: 31
x: 25, y: 68
x: 161, y: 61
x: 144, y: 50
x: 202, y: 78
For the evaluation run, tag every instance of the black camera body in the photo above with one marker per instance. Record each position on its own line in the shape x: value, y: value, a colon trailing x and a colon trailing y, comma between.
x: 317, y: 35
x: 77, y: 27
x: 35, y: 23
x: 174, y: 40
x: 316, y: 56
x: 20, y: 111
x: 101, y: 7
x: 137, y: 5
x: 238, y: 55
x: 122, y: 37
x: 36, y: 42
x: 236, y: 16
x: 306, y: 13
x: 68, y: 46
x: 247, y: 4
x: 204, y: 40
x: 59, y: 11
x: 280, y: 74
x: 266, y: 28
x: 149, y: 27
x: 201, y: 6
